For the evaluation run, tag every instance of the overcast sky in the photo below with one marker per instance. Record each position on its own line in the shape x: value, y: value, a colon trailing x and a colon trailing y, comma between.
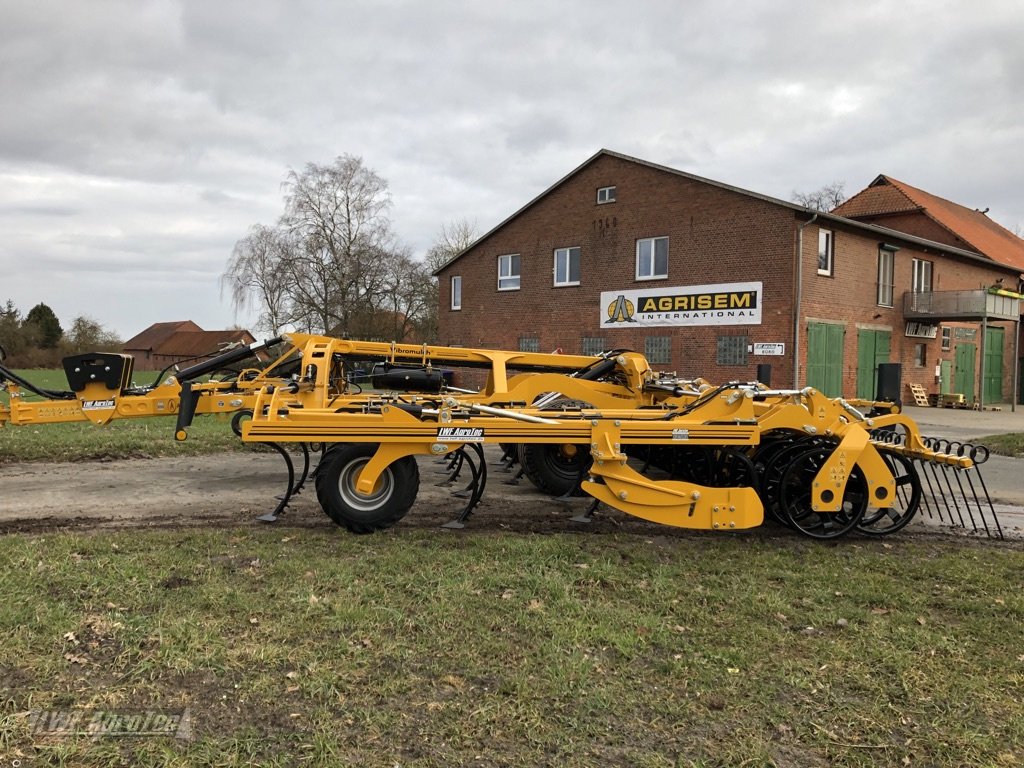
x: 140, y: 140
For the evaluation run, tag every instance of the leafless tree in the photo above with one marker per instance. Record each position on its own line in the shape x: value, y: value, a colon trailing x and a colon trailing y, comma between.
x: 332, y: 263
x: 337, y: 215
x: 454, y: 237
x: 257, y: 276
x: 826, y: 198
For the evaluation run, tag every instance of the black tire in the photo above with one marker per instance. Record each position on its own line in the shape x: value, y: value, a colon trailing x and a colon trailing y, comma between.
x: 881, y: 522
x: 796, y: 492
x: 555, y: 469
x: 389, y: 502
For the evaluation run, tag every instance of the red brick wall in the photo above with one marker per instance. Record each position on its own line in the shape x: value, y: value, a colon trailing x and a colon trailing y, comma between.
x: 715, y: 236
x: 850, y: 298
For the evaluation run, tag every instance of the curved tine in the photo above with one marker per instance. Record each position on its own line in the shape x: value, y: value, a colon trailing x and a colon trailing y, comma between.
x: 470, y: 491
x: 474, y: 471
x: 455, y: 465
x: 304, y: 475
x: 283, y: 500
x: 975, y: 449
x: 482, y: 479
x: 956, y: 448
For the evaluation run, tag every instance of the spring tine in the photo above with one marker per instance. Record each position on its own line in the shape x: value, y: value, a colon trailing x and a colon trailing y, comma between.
x: 988, y: 499
x: 952, y: 497
x: 967, y: 502
x: 941, y: 496
x: 977, y: 501
x: 929, y: 497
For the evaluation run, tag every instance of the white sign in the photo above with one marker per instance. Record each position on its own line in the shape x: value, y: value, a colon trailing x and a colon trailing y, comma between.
x: 718, y: 304
x: 770, y: 348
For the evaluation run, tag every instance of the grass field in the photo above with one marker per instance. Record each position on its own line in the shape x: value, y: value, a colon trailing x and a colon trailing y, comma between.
x: 430, y: 648
x: 1011, y: 444
x: 120, y: 439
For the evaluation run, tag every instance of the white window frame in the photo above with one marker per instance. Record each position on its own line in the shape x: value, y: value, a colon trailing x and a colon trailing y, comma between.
x: 507, y: 279
x: 456, y: 292
x: 922, y: 275
x: 652, y: 275
x: 886, y: 272
x: 826, y: 248
x: 566, y: 255
x: 605, y: 195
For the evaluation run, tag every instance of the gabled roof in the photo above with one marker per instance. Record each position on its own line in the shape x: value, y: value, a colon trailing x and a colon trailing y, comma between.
x: 886, y: 196
x: 157, y: 333
x: 810, y: 214
x: 193, y: 343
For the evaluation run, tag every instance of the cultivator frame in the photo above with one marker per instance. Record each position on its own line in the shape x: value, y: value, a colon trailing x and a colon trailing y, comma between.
x: 674, y: 451
x: 669, y: 450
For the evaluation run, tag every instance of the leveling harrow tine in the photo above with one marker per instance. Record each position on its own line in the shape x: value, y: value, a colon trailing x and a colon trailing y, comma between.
x: 977, y: 462
x: 957, y: 448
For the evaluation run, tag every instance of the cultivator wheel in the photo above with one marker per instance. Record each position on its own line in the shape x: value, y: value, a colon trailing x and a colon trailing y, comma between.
x: 388, y: 502
x: 555, y: 468
x: 881, y: 522
x: 772, y: 465
x: 796, y: 490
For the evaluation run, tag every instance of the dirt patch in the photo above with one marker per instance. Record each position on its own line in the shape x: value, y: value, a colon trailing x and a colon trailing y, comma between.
x: 235, y: 488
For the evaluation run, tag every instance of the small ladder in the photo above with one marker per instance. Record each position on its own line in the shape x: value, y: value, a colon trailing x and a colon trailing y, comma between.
x: 920, y: 396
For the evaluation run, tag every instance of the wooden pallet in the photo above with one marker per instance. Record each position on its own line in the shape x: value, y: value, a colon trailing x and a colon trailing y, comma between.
x: 920, y: 396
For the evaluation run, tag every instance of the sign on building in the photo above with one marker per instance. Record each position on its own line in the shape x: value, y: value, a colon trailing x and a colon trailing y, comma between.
x: 770, y: 348
x: 718, y: 304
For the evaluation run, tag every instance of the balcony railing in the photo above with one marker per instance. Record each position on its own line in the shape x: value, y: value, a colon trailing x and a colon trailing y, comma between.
x: 959, y: 305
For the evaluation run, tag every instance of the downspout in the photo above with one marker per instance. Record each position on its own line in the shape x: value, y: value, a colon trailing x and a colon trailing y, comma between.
x: 799, y: 298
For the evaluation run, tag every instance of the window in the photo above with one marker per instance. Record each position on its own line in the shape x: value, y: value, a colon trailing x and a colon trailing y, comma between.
x: 947, y: 334
x: 457, y: 292
x: 921, y: 286
x: 652, y: 258
x: 593, y: 345
x: 605, y: 195
x: 508, y: 272
x: 732, y: 350
x: 567, y: 266
x: 658, y: 349
x: 885, y: 268
x: 920, y: 355
x: 826, y: 252
x: 922, y: 276
x: 529, y: 344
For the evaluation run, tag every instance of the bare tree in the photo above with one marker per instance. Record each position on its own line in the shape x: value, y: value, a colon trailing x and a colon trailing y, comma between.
x: 337, y: 215
x: 454, y: 237
x: 257, y: 276
x: 827, y: 198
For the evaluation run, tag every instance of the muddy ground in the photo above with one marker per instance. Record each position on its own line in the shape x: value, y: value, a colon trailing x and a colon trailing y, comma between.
x: 235, y: 488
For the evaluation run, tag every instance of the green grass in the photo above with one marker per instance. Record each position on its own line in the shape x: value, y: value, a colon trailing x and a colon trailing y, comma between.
x: 120, y: 439
x: 1011, y: 444
x: 427, y: 648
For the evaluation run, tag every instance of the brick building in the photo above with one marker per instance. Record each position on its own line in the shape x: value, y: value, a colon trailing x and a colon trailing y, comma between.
x: 710, y: 280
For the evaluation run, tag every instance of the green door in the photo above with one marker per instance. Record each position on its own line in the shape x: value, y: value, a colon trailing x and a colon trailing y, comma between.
x: 993, y: 365
x: 825, y: 357
x: 963, y: 373
x: 872, y: 349
x: 945, y: 376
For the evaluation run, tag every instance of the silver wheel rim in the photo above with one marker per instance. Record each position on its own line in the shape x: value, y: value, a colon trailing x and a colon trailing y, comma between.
x: 356, y: 500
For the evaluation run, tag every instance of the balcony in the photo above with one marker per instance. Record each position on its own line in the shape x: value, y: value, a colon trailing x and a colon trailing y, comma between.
x: 959, y: 305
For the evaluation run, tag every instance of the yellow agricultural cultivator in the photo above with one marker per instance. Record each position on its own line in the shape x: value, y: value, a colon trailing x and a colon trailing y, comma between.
x: 679, y: 452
